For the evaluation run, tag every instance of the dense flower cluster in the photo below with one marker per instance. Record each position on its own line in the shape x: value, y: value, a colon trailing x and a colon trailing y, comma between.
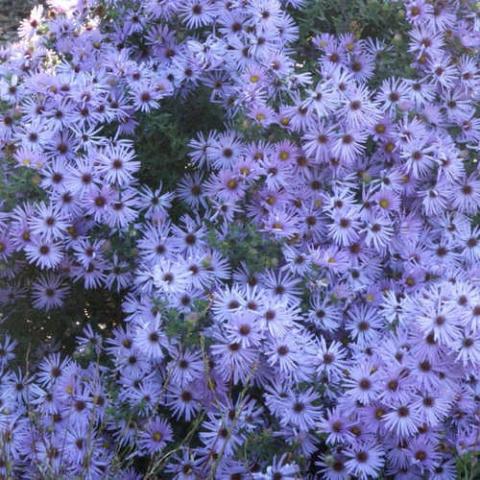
x: 318, y: 294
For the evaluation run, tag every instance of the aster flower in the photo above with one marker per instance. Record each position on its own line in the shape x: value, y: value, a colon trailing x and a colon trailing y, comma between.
x: 190, y: 190
x: 363, y: 383
x: 182, y: 402
x: 331, y: 360
x: 7, y: 350
x: 122, y: 210
x: 145, y: 98
x: 117, y: 164
x: 345, y: 226
x: 237, y: 360
x: 465, y: 195
x: 149, y: 338
x: 443, y: 322
x: 45, y: 254
x: 155, y: 435
x: 170, y: 277
x: 49, y: 292
x: 333, y: 467
x: 403, y: 420
x: 196, y: 13
x: 365, y: 460
x: 349, y: 145
x: 300, y: 410
x: 336, y: 427
x: 359, y: 111
x: 354, y: 286
x: 281, y: 467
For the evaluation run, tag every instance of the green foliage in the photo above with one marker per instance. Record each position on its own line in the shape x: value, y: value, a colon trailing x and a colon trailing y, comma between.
x: 468, y: 467
x: 18, y: 184
x: 34, y: 329
x: 244, y: 243
x: 365, y: 18
x: 380, y: 19
x: 263, y: 446
x: 162, y: 136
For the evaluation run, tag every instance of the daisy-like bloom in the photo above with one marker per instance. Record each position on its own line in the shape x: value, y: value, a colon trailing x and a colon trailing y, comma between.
x: 183, y: 402
x: 443, y: 73
x: 362, y: 66
x: 6, y: 247
x: 43, y: 253
x: 86, y: 251
x: 358, y: 110
x: 403, y: 420
x: 191, y: 190
x: 184, y: 466
x: 432, y: 408
x: 287, y: 356
x: 363, y: 383
x: 98, y: 200
x: 150, y: 339
x: 170, y: 277
x: 397, y: 384
x: 237, y: 361
x: 345, y: 227
x: 277, y: 173
x: 364, y: 324
x: 90, y: 340
x: 333, y: 467
x: 119, y: 276
x: 220, y: 435
x: 189, y: 239
x: 378, y: 232
x: 393, y: 93
x: 468, y: 348
x: 200, y: 146
x: 442, y: 321
x: 83, y: 175
x: 465, y: 195
x: 276, y: 317
x: 365, y: 460
x: 155, y: 435
x: 225, y: 150
x: 48, y: 222
x: 156, y: 242
x: 335, y: 260
x: 49, y: 292
x: 228, y: 185
x: 331, y: 360
x: 243, y: 327
x: 196, y: 13
x: 387, y: 201
x: 336, y: 427
x: 122, y: 210
x: 444, y: 470
x: 92, y: 274
x: 322, y: 98
x: 117, y: 164
x: 318, y: 142
x: 51, y: 368
x: 282, y: 224
x: 418, y: 157
x: 349, y: 145
x: 144, y: 97
x: 284, y: 286
x: 280, y: 468
x: 424, y: 454
x: 7, y: 350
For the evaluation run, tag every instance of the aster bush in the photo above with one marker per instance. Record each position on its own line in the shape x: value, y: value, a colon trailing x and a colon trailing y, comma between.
x: 239, y: 239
